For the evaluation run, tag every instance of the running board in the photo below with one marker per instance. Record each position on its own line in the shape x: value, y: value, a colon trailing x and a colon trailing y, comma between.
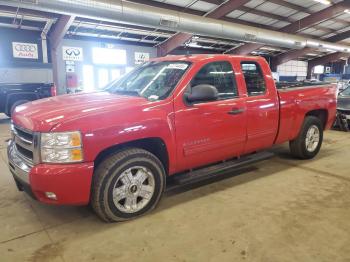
x: 217, y: 169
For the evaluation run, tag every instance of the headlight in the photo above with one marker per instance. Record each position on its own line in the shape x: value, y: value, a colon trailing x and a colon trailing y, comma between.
x: 65, y: 147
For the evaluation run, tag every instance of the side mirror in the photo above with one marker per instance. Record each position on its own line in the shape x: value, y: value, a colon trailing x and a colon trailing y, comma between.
x: 202, y: 93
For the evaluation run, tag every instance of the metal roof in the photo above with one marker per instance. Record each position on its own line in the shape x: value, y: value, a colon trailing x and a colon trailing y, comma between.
x: 270, y: 14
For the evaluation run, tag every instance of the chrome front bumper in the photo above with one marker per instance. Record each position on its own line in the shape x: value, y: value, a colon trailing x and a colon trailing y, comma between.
x: 18, y: 166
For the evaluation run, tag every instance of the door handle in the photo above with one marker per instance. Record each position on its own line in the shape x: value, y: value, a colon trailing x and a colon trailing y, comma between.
x: 236, y: 111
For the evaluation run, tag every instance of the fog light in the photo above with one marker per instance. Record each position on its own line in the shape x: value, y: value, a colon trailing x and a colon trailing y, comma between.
x: 51, y: 195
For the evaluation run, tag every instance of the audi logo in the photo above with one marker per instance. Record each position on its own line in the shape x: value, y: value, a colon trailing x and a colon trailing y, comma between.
x: 72, y: 51
x: 25, y: 48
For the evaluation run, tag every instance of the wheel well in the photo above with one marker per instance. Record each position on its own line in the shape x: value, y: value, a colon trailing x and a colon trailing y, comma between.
x: 322, y: 114
x: 154, y: 145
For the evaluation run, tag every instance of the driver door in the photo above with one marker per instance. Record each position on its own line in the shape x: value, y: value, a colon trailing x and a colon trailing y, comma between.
x: 211, y: 131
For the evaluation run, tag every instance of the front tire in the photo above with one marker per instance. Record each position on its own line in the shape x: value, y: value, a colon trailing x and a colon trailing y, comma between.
x: 127, y: 185
x: 309, y: 141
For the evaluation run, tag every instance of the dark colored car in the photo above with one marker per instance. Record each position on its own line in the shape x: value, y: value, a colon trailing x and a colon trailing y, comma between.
x: 12, y: 95
x: 343, y: 108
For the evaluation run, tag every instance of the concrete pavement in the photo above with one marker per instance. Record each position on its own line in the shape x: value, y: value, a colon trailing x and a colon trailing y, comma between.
x: 280, y: 209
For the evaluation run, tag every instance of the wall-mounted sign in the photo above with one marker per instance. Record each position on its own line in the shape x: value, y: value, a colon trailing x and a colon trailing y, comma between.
x: 327, y: 69
x: 141, y: 58
x: 25, y: 50
x: 70, y: 66
x: 72, y: 53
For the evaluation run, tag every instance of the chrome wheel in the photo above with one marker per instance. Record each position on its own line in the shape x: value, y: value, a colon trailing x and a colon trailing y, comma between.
x: 133, y: 189
x: 312, y: 138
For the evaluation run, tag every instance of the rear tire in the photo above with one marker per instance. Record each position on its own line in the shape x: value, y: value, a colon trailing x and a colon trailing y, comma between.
x: 309, y: 141
x: 127, y: 185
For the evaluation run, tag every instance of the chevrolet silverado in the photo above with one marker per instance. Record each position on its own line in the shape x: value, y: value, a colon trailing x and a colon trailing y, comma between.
x: 175, y: 116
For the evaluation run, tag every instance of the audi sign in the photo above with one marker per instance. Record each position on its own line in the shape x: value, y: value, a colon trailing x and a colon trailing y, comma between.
x: 25, y: 50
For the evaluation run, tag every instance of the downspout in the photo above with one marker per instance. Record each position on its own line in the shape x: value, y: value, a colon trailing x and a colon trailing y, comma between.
x: 43, y: 35
x: 345, y: 66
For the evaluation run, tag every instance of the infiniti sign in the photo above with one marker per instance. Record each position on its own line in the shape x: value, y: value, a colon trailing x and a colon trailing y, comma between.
x: 25, y: 50
x: 72, y: 53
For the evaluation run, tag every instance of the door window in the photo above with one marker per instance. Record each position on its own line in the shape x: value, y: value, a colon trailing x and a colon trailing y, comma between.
x: 254, y: 78
x: 220, y: 75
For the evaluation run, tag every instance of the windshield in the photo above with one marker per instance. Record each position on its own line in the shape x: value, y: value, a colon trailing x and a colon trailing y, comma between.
x: 153, y: 80
x: 345, y: 92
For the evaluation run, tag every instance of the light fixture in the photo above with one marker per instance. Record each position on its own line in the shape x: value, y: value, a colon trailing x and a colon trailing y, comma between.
x: 347, y: 11
x: 319, y: 69
x: 324, y: 2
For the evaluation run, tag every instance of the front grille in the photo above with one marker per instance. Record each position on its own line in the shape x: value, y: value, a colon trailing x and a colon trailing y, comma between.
x: 25, y: 152
x: 24, y: 141
x: 25, y: 135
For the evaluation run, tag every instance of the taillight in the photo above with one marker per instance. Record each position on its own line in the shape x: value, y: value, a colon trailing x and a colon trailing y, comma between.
x: 53, y: 90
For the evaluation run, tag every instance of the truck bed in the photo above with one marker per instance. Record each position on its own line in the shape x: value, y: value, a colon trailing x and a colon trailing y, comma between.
x: 298, y: 84
x: 296, y: 101
x: 10, y: 93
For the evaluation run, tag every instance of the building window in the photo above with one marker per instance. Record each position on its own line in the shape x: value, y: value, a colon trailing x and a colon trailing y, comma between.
x: 88, y: 77
x: 108, y: 56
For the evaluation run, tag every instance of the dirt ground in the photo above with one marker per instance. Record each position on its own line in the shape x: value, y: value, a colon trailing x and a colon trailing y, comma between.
x: 280, y: 209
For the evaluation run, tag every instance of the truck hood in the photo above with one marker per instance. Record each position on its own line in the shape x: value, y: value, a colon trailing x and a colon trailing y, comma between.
x: 42, y: 115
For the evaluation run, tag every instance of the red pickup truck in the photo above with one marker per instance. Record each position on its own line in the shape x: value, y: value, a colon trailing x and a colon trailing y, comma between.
x: 178, y: 116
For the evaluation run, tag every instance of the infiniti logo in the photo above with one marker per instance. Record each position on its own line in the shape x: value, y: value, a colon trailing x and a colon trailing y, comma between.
x: 72, y: 51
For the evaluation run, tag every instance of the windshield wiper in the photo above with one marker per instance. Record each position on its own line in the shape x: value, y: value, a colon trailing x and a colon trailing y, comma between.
x: 126, y: 92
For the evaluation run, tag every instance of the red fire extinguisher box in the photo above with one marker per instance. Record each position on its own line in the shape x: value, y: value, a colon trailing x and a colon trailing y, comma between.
x: 72, y: 80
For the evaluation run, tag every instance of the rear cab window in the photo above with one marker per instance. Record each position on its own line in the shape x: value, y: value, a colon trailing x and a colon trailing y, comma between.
x: 220, y: 75
x: 254, y: 78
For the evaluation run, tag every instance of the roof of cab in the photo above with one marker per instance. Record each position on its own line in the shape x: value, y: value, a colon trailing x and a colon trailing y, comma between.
x: 203, y: 57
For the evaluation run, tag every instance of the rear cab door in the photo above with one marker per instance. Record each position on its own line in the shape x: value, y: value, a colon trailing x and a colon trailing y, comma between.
x: 262, y: 103
x: 210, y: 131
